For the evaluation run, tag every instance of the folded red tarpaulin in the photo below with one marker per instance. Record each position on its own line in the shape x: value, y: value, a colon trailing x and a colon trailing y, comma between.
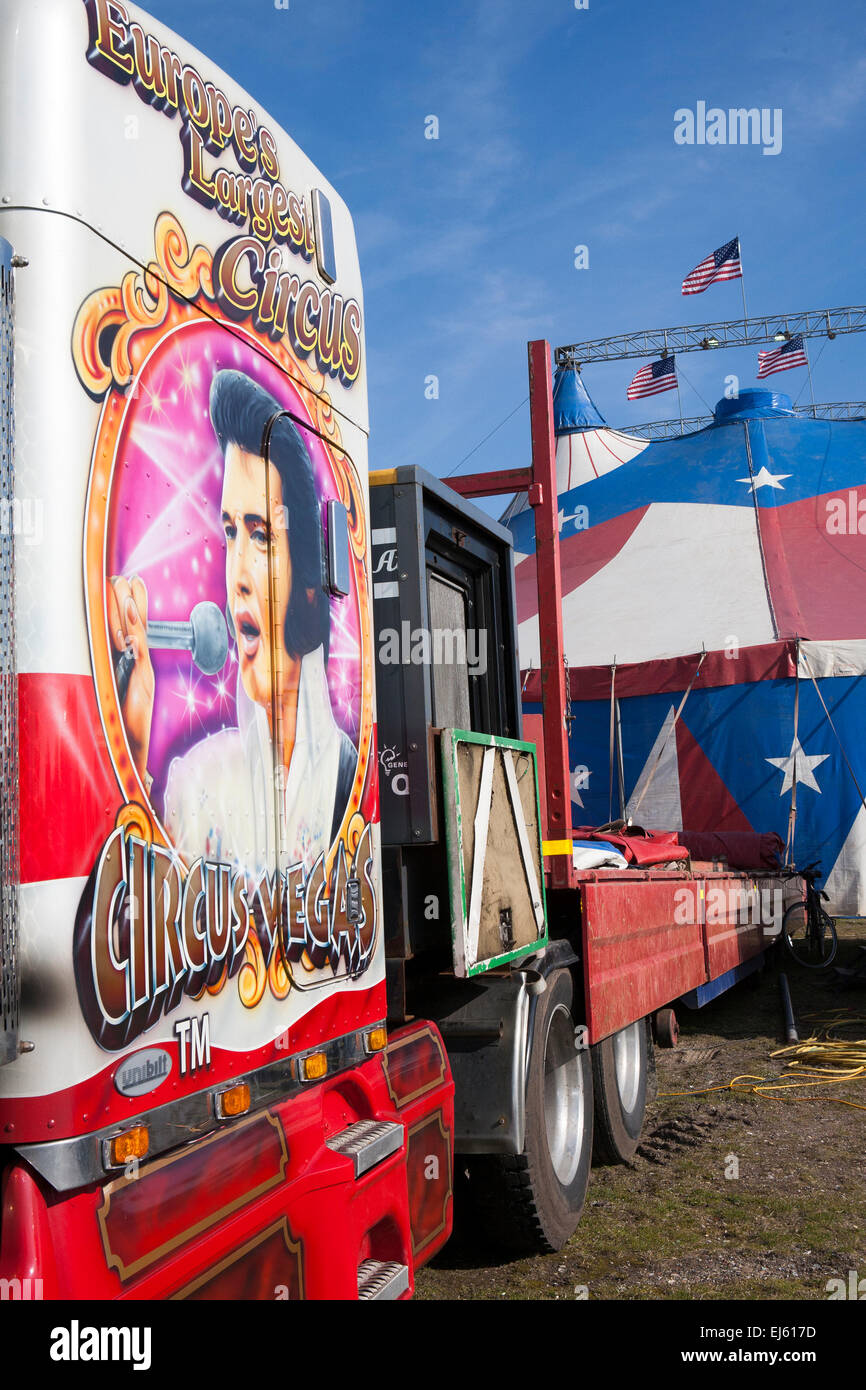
x: 644, y: 847
x: 743, y: 849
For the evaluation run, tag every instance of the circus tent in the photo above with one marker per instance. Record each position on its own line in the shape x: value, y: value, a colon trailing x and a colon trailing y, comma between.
x: 714, y: 612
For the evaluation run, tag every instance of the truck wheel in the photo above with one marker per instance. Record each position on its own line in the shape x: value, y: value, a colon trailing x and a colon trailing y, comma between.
x: 531, y: 1202
x: 620, y: 1073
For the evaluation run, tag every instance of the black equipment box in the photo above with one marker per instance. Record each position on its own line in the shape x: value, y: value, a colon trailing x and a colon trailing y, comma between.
x: 445, y: 633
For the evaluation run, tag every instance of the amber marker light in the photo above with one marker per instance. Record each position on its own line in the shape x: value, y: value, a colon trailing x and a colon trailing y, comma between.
x: 376, y: 1039
x: 315, y: 1066
x: 233, y: 1102
x: 122, y: 1148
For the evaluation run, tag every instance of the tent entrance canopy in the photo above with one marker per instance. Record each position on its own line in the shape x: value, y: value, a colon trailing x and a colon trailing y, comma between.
x: 731, y: 666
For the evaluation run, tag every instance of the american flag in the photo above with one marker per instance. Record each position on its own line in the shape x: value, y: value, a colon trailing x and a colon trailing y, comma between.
x: 790, y: 354
x: 723, y: 264
x: 653, y: 378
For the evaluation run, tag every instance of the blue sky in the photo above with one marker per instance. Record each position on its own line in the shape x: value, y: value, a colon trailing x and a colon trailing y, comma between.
x: 556, y: 129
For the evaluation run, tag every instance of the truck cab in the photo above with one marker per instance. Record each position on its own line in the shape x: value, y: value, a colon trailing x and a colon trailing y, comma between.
x: 294, y: 931
x: 200, y: 1096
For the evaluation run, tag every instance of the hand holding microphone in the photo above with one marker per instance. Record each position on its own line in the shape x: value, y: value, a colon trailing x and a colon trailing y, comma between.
x: 127, y: 624
x: 204, y: 636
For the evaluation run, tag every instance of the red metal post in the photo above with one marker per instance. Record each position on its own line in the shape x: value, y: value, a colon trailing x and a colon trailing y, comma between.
x: 539, y: 482
x: 543, y: 498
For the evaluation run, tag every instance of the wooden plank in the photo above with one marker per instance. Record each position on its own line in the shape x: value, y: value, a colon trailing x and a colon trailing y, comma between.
x: 482, y: 825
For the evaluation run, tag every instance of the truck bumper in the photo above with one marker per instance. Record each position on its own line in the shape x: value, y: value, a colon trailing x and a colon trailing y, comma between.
x: 287, y: 1203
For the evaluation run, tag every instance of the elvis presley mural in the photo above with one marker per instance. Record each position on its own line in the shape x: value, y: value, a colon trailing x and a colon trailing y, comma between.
x: 221, y: 794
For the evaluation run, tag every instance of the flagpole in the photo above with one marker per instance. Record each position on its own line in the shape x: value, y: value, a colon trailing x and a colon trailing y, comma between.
x: 743, y: 289
x: 809, y: 370
x: 676, y: 378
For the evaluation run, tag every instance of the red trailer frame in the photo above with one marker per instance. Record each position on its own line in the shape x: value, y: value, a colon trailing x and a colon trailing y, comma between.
x: 642, y: 946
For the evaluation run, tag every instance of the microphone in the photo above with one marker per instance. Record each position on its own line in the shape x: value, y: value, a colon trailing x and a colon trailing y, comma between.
x: 204, y: 636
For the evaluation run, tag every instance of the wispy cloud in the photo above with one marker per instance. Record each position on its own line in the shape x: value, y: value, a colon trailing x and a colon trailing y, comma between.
x: 832, y: 103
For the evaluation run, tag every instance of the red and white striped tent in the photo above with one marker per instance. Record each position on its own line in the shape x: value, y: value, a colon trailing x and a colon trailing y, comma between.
x: 740, y: 550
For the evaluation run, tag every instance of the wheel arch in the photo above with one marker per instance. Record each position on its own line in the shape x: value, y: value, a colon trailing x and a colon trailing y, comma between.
x: 489, y: 1041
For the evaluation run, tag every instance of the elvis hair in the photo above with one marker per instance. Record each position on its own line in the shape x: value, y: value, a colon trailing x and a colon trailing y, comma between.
x: 243, y: 413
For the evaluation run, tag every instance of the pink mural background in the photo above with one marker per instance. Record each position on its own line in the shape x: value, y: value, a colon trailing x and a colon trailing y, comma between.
x: 164, y: 526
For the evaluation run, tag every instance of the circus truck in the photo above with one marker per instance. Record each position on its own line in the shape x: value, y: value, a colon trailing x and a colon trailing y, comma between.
x: 200, y: 1097
x: 294, y: 936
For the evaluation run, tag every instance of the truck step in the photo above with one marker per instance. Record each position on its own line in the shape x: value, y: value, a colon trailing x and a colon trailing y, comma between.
x: 367, y: 1142
x: 382, y: 1279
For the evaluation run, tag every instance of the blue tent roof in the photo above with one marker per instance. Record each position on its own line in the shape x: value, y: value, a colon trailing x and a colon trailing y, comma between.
x: 573, y: 407
x: 758, y: 404
x: 813, y: 458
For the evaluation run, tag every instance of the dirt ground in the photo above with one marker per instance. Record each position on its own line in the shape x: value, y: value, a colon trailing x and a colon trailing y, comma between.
x: 732, y: 1195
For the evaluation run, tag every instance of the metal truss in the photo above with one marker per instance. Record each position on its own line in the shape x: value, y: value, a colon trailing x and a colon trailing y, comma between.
x: 672, y: 429
x: 660, y: 342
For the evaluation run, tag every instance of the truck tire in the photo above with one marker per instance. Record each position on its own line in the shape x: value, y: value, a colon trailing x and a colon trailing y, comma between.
x: 531, y: 1203
x: 620, y: 1076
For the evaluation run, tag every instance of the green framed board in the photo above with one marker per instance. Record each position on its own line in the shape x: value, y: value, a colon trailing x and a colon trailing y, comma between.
x: 493, y: 848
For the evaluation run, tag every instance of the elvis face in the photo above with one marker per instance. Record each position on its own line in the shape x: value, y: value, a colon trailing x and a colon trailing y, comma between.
x: 258, y: 560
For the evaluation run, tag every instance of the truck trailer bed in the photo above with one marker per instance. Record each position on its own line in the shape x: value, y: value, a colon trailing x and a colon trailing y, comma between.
x: 650, y: 936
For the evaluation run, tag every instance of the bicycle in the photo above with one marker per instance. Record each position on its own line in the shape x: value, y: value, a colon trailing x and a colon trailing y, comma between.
x: 808, y: 930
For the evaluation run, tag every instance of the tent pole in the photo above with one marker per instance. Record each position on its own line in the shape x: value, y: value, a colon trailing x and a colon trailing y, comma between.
x: 612, y: 748
x: 620, y: 766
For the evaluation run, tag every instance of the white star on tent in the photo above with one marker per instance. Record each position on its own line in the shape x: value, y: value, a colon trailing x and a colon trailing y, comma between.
x: 765, y: 479
x: 804, y: 765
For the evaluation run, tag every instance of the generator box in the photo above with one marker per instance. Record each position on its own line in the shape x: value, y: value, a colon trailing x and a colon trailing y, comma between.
x: 445, y: 639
